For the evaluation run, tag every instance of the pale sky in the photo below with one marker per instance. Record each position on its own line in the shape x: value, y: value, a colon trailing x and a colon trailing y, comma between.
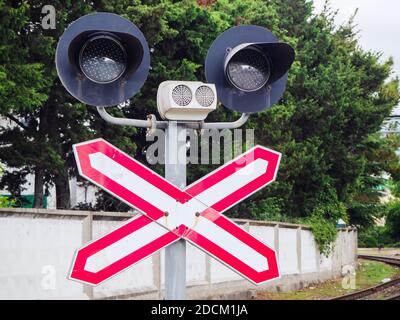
x: 378, y: 22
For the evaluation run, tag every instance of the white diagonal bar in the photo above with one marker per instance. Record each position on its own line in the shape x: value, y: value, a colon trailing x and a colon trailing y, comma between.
x: 231, y: 244
x: 132, y: 182
x: 235, y: 181
x: 124, y: 247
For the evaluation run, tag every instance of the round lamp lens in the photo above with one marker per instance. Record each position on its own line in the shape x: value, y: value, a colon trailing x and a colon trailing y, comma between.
x: 102, y: 59
x: 205, y: 96
x: 248, y: 70
x: 182, y: 95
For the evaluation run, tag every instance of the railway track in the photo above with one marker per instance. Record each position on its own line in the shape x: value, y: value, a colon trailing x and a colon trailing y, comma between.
x: 388, y: 260
x: 394, y: 297
x: 390, y: 288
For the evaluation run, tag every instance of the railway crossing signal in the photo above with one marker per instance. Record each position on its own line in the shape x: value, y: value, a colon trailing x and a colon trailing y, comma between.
x: 103, y: 60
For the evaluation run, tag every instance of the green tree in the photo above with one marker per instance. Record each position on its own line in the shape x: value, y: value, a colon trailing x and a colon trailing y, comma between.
x: 4, y: 201
x: 23, y: 86
x: 336, y: 101
x: 47, y: 119
x: 393, y: 220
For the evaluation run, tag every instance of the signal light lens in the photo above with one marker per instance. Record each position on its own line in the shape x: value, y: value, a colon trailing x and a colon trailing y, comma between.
x: 205, y: 96
x: 103, y: 59
x: 182, y: 95
x: 249, y: 69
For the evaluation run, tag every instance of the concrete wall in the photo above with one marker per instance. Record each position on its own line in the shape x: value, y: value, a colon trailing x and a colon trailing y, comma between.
x: 37, y: 246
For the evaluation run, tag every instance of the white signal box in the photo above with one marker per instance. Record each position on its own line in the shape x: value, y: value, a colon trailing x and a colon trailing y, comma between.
x: 186, y: 100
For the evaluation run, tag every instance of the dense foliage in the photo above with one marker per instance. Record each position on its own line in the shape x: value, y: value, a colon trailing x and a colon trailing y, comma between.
x: 326, y: 126
x: 45, y: 120
x: 393, y: 221
x: 4, y: 201
x: 386, y: 232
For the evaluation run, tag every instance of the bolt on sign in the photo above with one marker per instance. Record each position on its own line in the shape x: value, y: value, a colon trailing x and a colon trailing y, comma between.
x: 168, y: 213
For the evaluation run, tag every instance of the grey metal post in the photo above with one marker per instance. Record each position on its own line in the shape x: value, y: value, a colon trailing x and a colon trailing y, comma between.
x: 175, y: 172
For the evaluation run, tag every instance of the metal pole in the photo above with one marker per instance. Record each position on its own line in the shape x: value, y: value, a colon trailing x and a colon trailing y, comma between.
x: 128, y: 122
x: 164, y: 124
x: 175, y: 172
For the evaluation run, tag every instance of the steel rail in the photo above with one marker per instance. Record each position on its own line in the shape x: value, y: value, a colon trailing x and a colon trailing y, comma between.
x: 395, y: 297
x: 369, y: 291
x: 388, y: 260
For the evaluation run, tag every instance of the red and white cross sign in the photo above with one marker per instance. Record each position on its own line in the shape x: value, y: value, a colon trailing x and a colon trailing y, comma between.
x: 171, y: 213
